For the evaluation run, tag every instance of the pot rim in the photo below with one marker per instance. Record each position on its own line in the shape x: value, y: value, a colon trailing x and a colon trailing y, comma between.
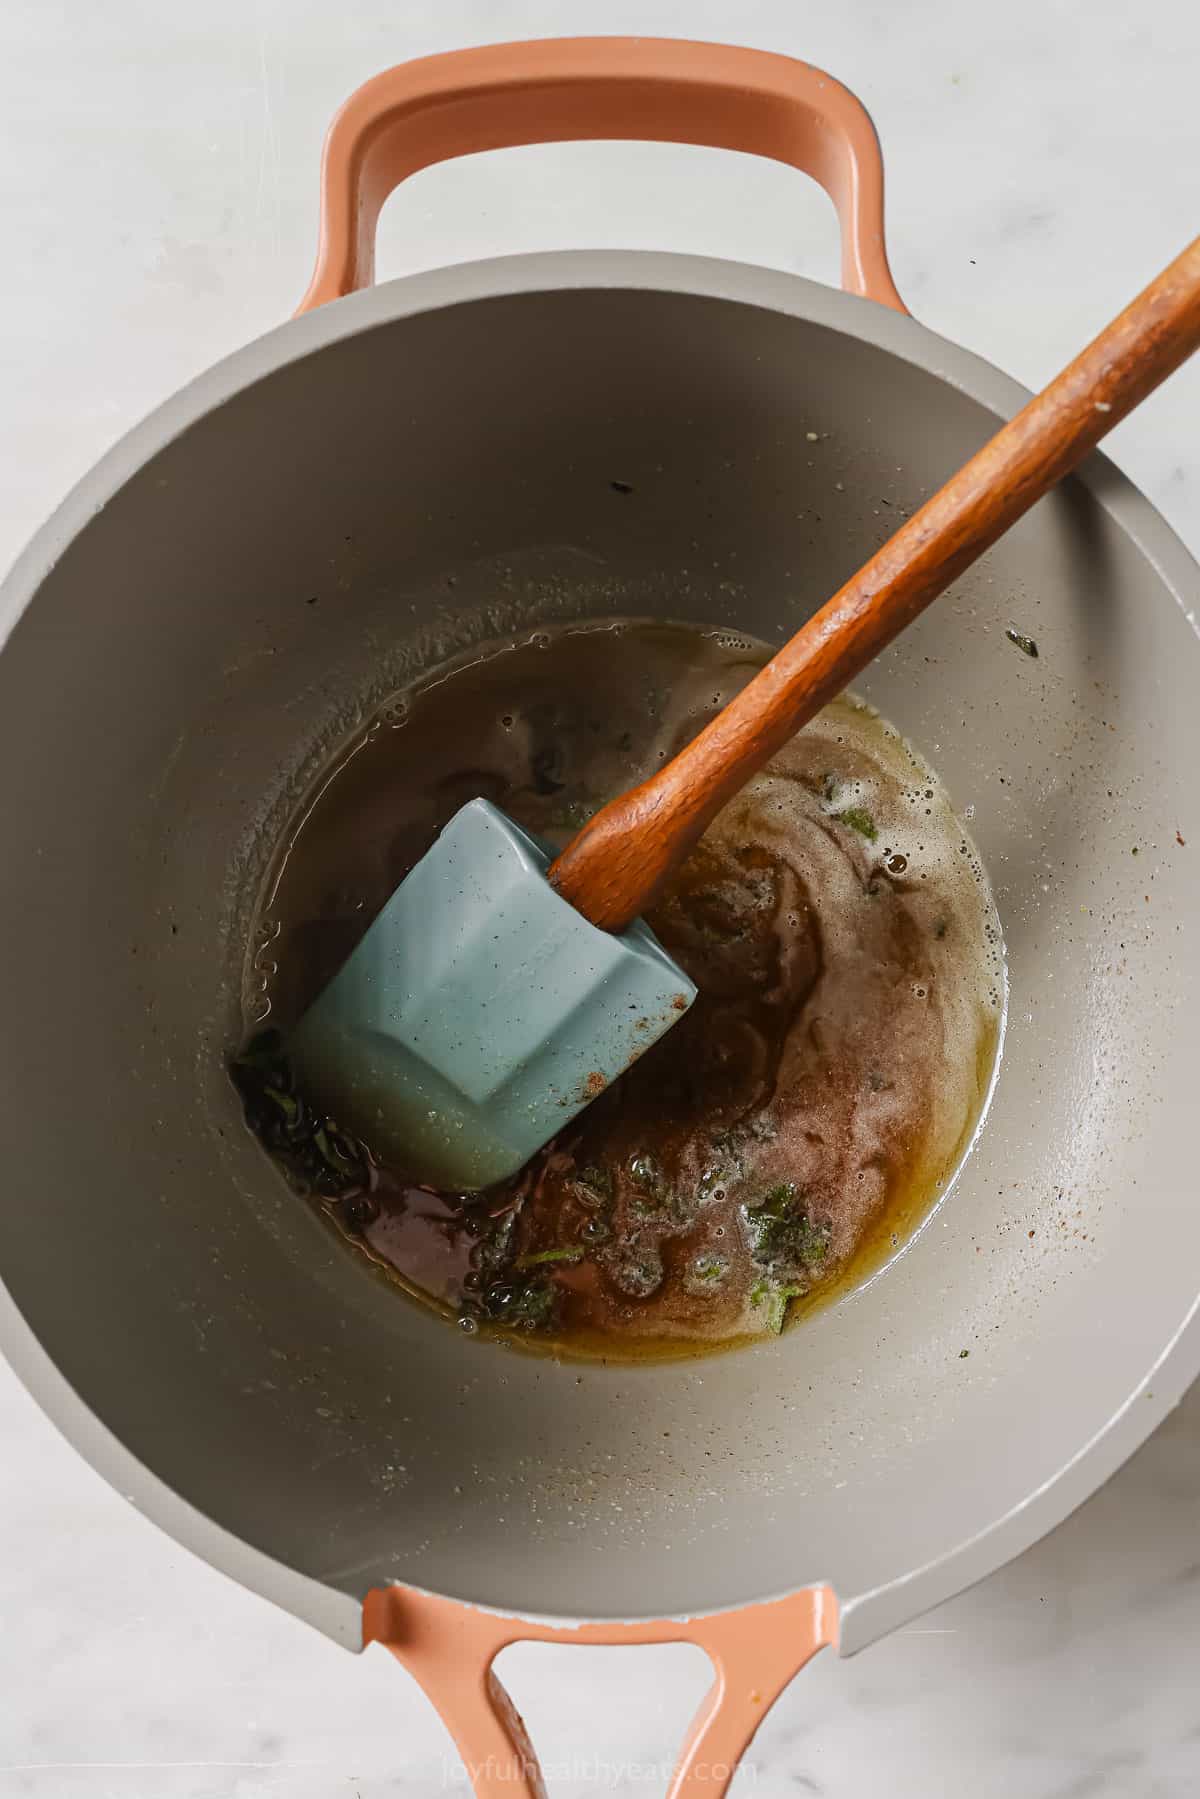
x: 865, y: 1616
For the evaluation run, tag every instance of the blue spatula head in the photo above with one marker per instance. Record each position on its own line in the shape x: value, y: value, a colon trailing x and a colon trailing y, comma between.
x: 481, y: 1012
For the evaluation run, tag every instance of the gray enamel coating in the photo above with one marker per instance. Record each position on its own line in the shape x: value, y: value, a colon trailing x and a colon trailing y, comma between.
x: 216, y: 608
x: 480, y: 1012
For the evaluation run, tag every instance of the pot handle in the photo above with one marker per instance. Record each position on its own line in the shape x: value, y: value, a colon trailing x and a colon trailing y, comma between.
x: 449, y: 1649
x: 556, y: 90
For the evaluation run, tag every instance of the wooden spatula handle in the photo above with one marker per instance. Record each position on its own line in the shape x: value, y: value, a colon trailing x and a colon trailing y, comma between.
x: 615, y: 866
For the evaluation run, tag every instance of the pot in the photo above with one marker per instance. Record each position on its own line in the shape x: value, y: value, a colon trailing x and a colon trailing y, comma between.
x: 398, y: 473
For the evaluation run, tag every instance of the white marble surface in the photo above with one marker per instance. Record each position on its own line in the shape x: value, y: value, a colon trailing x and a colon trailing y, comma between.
x: 157, y: 198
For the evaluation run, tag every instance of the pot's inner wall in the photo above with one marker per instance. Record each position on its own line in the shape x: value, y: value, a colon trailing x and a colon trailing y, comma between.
x: 226, y: 618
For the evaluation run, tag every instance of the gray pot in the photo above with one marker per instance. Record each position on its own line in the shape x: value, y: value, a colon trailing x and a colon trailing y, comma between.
x: 372, y: 487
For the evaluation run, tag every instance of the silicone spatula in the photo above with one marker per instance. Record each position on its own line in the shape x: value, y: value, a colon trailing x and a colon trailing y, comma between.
x: 498, y: 991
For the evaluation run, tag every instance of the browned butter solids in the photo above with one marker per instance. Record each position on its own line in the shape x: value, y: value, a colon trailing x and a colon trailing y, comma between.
x: 802, y: 1118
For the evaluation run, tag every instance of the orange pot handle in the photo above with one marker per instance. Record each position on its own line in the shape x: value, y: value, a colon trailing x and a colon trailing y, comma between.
x: 449, y: 1649
x: 555, y: 90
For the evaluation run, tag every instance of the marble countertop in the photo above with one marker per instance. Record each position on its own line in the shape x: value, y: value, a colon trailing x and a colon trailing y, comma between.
x: 158, y: 200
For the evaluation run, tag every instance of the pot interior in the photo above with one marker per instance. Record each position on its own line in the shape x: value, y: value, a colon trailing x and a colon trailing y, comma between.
x: 238, y: 606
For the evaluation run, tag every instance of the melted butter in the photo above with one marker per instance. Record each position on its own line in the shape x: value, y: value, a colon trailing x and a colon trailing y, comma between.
x: 835, y: 919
